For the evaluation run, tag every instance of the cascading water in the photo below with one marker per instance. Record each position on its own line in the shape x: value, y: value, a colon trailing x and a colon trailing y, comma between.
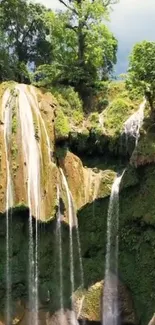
x: 73, y: 223
x: 32, y: 160
x: 7, y: 118
x: 110, y: 296
x: 60, y: 251
x: 134, y: 122
x: 33, y: 98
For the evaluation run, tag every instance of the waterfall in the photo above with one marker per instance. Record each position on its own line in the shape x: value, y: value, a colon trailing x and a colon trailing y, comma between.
x: 32, y: 160
x: 134, y: 122
x: 110, y: 296
x: 73, y: 223
x: 33, y: 98
x: 7, y: 118
x: 60, y: 251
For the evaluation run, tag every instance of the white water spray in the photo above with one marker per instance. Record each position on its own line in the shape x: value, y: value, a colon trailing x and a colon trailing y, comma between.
x: 7, y: 118
x: 110, y: 296
x: 73, y: 223
x: 134, y: 122
x: 37, y: 110
x: 60, y: 251
x: 32, y: 160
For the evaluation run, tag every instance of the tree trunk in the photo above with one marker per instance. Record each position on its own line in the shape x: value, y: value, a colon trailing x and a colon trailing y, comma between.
x: 81, y: 36
x: 80, y: 45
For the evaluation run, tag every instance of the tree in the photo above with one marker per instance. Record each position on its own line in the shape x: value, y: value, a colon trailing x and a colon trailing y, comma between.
x: 141, y: 71
x: 23, y: 27
x: 84, y: 48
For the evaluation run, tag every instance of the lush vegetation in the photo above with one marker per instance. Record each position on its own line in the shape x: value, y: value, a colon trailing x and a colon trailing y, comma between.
x: 73, y: 47
x: 23, y: 35
x: 141, y: 72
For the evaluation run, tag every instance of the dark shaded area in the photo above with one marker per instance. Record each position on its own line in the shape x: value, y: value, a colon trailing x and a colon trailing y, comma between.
x: 48, y: 259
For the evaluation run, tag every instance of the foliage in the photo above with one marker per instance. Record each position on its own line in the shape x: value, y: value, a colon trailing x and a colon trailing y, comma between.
x: 84, y: 50
x: 116, y: 114
x: 94, y: 120
x: 69, y: 98
x: 24, y: 37
x: 61, y: 126
x: 141, y: 74
x: 70, y: 104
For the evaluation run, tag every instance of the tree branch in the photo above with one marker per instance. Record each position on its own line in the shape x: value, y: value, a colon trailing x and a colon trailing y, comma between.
x: 74, y: 28
x: 27, y: 32
x: 68, y: 7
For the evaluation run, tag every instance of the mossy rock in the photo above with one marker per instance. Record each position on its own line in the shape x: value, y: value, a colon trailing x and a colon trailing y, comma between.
x: 144, y: 153
x: 91, y: 301
x: 130, y: 177
x: 116, y: 114
x: 61, y: 125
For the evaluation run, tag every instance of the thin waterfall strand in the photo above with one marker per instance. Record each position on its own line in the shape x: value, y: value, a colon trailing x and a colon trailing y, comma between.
x: 70, y: 216
x: 110, y: 296
x: 31, y: 153
x: 35, y: 103
x: 7, y: 117
x: 73, y: 222
x: 60, y: 251
x: 134, y: 122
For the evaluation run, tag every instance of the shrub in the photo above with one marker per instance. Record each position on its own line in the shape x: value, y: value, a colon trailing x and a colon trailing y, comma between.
x: 61, y: 126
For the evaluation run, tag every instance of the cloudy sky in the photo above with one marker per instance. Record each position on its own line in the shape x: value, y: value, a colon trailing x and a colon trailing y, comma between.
x: 131, y: 22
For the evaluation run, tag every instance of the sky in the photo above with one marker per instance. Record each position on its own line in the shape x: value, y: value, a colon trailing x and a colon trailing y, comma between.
x: 131, y: 21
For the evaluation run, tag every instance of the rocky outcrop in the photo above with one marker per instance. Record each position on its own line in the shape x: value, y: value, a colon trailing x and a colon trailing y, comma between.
x: 88, y: 304
x: 86, y: 184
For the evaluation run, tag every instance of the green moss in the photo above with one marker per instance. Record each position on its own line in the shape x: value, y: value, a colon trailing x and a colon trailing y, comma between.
x: 130, y: 177
x: 116, y: 114
x: 94, y: 120
x: 91, y: 301
x: 107, y: 180
x: 60, y: 152
x: 61, y: 126
x: 14, y: 150
x: 145, y: 151
x: 78, y: 117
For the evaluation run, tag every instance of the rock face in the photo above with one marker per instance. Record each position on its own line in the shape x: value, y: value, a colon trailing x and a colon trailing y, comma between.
x: 43, y: 108
x: 86, y: 184
x: 92, y: 304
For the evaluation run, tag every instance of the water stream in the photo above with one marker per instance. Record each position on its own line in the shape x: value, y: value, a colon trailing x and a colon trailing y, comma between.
x: 32, y: 161
x: 134, y: 122
x: 59, y: 234
x: 73, y: 223
x: 7, y: 118
x: 110, y: 296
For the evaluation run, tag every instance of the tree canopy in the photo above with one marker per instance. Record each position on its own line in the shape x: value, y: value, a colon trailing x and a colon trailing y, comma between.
x: 84, y: 48
x: 141, y: 72
x: 24, y: 35
x: 71, y: 47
